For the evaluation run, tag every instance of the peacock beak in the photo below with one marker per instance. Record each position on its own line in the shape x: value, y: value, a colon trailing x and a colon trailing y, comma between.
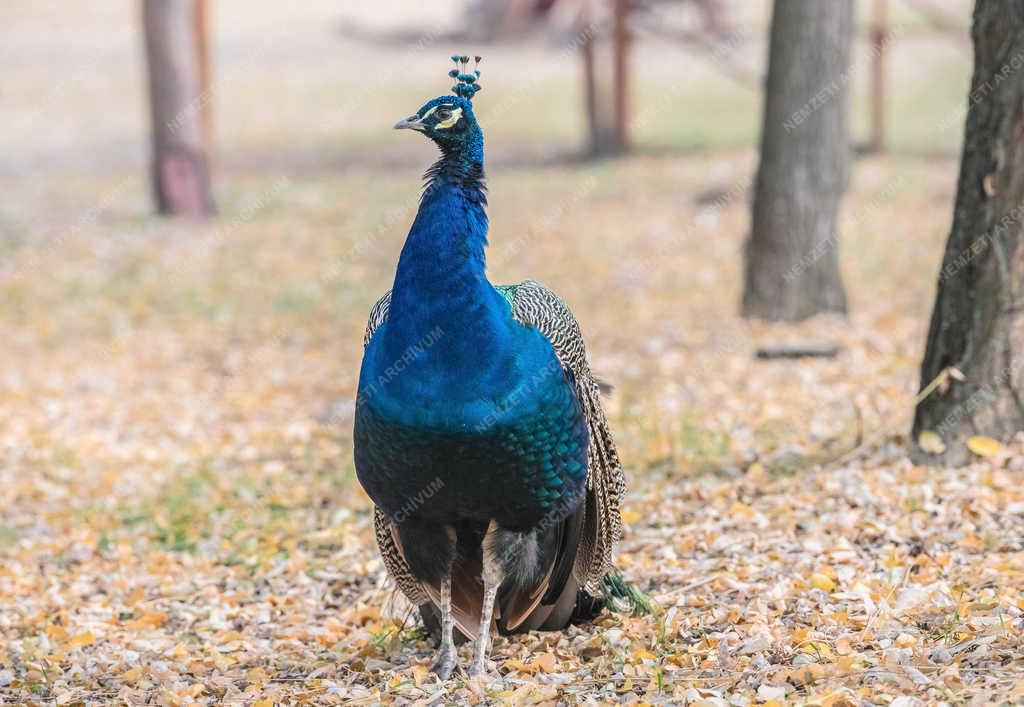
x: 413, y: 122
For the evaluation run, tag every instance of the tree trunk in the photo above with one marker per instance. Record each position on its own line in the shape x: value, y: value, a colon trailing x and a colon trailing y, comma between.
x: 977, y: 327
x: 181, y: 180
x: 620, y: 73
x: 876, y: 99
x: 605, y: 82
x: 792, y: 260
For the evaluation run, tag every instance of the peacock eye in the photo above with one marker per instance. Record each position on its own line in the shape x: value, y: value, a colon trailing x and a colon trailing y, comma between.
x: 443, y: 114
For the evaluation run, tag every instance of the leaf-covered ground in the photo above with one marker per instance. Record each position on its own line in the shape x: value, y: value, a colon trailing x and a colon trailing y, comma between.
x: 179, y: 520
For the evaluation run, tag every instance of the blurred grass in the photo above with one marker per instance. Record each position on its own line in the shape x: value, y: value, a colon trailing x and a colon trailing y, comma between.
x: 115, y: 413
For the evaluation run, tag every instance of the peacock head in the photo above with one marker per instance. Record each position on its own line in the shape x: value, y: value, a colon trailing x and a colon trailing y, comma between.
x: 449, y: 120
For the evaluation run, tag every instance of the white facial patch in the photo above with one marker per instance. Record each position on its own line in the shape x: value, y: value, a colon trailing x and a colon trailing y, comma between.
x: 452, y: 120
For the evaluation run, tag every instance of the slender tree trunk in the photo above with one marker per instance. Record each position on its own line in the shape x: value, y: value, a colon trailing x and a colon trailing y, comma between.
x: 977, y: 326
x: 879, y: 31
x: 605, y: 80
x: 181, y: 181
x: 792, y: 260
x: 589, y: 60
x: 202, y: 34
x: 620, y: 73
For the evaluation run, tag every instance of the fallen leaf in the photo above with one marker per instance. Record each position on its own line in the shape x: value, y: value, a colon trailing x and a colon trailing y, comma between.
x: 984, y: 446
x: 132, y: 675
x: 82, y: 639
x: 547, y: 662
x: 930, y: 442
x: 822, y: 582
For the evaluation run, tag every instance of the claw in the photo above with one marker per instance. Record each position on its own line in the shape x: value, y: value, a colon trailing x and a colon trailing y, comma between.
x: 476, y: 668
x: 445, y: 665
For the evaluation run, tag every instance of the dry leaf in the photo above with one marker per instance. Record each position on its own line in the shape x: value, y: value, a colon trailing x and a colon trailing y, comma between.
x: 822, y: 582
x: 84, y: 639
x: 984, y: 446
x: 930, y: 442
x: 547, y: 662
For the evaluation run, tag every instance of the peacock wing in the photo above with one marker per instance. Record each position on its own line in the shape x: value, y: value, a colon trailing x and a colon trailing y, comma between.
x: 535, y: 305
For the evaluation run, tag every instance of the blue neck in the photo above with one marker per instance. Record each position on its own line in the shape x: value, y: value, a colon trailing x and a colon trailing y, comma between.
x: 441, y: 292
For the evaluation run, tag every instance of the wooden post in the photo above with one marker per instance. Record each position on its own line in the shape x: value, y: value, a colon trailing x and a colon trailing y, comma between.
x: 181, y: 180
x: 879, y: 32
x: 202, y: 32
x: 590, y: 82
x: 620, y: 73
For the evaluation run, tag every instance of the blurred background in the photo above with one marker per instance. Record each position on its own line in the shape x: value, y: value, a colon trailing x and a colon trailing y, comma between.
x: 185, y: 385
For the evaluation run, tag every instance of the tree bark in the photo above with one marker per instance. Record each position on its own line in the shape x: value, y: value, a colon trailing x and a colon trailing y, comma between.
x: 620, y: 73
x: 977, y: 327
x: 605, y: 81
x: 791, y: 256
x: 876, y: 99
x: 181, y: 180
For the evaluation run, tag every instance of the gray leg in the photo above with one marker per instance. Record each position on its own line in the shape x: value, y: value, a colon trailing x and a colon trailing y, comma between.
x: 447, y: 658
x: 492, y: 576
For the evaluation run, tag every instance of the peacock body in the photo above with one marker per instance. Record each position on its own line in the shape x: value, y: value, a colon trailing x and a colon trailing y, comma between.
x: 479, y: 433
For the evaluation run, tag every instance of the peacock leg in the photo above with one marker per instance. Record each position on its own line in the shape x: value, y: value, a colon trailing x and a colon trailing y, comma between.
x: 492, y: 576
x: 446, y: 655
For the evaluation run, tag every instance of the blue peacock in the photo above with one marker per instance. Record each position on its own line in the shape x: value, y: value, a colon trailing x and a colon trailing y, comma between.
x: 479, y: 433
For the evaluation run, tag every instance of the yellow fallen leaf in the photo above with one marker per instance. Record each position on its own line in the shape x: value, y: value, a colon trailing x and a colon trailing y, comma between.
x: 194, y: 690
x: 263, y: 703
x: 819, y: 650
x: 547, y: 662
x: 522, y: 667
x: 258, y: 675
x: 741, y: 510
x: 132, y: 675
x: 822, y: 582
x: 807, y: 674
x: 151, y: 619
x: 630, y: 515
x: 82, y: 639
x: 984, y: 446
x: 930, y: 442
x: 56, y: 632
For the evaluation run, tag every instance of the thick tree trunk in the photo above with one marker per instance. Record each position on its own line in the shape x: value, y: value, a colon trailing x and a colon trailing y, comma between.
x: 181, y: 181
x: 792, y: 260
x: 977, y: 327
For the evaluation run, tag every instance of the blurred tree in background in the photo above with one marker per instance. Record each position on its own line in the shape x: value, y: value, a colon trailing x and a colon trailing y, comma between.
x: 792, y: 259
x: 177, y: 58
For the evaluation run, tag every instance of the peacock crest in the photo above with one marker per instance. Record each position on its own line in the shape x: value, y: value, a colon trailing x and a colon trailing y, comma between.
x: 467, y: 83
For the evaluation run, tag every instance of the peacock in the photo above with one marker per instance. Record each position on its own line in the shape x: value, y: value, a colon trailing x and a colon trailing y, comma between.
x: 478, y: 432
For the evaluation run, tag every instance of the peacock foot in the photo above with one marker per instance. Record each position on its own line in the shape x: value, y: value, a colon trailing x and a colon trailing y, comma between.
x: 445, y: 664
x: 477, y: 667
